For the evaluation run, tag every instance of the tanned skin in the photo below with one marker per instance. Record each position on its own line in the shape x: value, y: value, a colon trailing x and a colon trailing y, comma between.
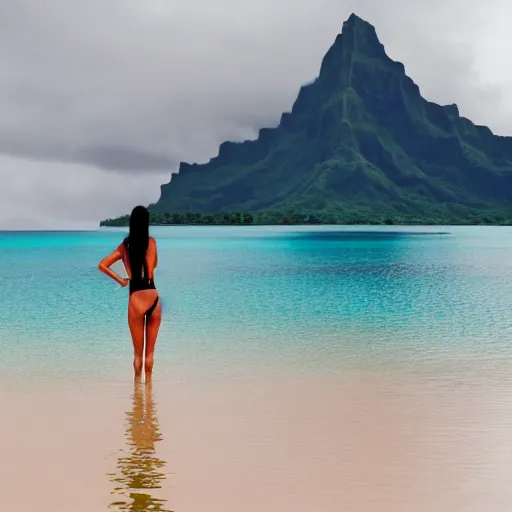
x: 139, y: 302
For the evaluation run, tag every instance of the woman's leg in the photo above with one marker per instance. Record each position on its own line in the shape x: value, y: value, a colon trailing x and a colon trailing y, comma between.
x: 152, y: 328
x: 136, y: 323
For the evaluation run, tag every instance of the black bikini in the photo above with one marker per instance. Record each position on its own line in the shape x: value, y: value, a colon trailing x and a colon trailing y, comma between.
x: 144, y: 283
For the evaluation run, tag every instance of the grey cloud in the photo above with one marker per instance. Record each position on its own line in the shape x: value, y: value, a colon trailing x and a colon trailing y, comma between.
x: 123, y: 159
x: 170, y: 80
x: 110, y: 158
x: 76, y: 196
x: 139, y: 85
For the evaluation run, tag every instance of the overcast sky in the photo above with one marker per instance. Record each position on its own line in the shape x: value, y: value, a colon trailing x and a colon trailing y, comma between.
x: 101, y: 99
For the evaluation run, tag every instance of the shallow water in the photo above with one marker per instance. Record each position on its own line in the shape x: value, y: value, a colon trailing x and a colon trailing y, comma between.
x: 297, y: 369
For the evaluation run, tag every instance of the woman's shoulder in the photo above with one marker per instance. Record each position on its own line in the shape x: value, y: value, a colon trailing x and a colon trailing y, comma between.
x: 123, y: 245
x: 152, y: 244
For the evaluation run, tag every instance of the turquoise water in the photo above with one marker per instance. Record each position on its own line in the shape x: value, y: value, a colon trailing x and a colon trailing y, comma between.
x: 264, y: 297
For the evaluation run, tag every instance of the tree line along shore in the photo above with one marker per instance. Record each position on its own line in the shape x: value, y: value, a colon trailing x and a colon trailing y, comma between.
x: 312, y: 218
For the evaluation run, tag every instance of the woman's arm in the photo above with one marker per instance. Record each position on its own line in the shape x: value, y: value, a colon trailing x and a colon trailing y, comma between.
x: 105, y: 264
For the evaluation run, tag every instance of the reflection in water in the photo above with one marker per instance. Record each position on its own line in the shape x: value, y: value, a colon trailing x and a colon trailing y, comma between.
x: 138, y: 468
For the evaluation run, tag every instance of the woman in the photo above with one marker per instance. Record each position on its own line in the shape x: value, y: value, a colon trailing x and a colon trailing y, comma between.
x: 139, y: 255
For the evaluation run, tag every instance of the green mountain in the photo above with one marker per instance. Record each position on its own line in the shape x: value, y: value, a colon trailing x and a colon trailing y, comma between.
x: 360, y: 141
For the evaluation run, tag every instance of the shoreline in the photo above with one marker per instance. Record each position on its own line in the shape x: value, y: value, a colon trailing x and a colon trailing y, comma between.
x: 403, y: 224
x: 364, y: 217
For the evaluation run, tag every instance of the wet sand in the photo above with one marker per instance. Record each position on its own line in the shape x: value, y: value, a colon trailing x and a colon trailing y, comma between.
x: 420, y: 439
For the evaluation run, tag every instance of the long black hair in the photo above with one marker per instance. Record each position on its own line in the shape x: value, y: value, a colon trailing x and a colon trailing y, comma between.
x: 137, y: 241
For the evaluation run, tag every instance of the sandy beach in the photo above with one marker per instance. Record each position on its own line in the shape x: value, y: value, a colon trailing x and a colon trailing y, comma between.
x: 233, y: 442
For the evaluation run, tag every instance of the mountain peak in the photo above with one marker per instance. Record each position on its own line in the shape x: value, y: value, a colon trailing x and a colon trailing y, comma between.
x: 358, y: 37
x: 362, y: 33
x: 354, y: 19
